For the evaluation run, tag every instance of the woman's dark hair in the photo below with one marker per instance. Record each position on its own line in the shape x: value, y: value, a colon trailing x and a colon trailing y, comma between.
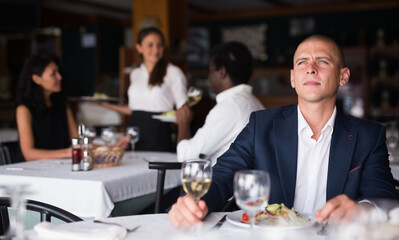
x: 236, y: 58
x: 31, y: 94
x: 159, y: 71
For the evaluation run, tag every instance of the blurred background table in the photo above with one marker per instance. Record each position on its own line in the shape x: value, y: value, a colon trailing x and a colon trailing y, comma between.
x: 96, y: 193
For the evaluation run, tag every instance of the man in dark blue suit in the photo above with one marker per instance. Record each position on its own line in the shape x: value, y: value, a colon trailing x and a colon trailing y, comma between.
x: 320, y: 161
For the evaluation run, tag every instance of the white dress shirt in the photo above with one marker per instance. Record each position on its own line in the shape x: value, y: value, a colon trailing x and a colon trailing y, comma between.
x: 173, y: 91
x: 222, y: 124
x: 312, y: 165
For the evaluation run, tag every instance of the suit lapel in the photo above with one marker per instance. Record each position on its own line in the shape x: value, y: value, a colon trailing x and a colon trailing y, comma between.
x: 341, y: 150
x: 285, y: 131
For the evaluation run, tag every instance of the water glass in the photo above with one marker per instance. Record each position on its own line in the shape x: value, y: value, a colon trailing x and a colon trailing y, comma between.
x: 196, y: 177
x: 17, y: 193
x: 251, y: 192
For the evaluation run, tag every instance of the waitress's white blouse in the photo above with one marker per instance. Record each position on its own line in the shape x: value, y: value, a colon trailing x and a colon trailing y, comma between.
x: 173, y: 91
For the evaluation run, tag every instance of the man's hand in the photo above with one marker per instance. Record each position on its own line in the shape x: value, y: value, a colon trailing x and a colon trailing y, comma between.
x: 340, y: 207
x: 185, y: 213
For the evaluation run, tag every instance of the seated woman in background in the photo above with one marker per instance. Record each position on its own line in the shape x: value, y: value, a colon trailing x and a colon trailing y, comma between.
x: 155, y: 87
x: 45, y: 122
x: 44, y: 119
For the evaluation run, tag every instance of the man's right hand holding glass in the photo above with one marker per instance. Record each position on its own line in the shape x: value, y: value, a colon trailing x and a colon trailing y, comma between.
x: 185, y: 213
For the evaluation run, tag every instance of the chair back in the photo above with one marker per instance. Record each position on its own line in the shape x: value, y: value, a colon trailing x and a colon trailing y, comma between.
x: 162, y: 167
x: 46, y: 211
x: 10, y: 152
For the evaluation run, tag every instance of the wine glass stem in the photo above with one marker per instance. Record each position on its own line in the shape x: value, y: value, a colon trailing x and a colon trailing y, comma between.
x: 252, y: 220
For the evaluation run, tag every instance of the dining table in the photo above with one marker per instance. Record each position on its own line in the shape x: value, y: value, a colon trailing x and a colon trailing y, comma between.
x: 158, y: 227
x: 90, y: 194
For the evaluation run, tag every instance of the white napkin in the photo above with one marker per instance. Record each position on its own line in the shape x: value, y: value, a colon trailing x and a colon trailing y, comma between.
x: 47, y: 230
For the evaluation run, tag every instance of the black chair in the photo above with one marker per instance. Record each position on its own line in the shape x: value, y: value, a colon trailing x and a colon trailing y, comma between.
x: 46, y: 211
x: 10, y: 152
x: 162, y: 167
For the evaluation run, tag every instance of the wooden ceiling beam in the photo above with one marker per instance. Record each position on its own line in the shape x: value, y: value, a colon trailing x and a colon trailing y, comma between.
x: 296, y: 10
x: 101, y: 6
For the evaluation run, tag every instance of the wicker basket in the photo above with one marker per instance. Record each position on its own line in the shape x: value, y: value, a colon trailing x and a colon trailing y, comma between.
x: 104, y: 157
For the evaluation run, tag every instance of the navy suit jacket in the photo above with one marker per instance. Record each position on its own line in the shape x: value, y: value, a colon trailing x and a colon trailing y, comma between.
x: 358, y: 161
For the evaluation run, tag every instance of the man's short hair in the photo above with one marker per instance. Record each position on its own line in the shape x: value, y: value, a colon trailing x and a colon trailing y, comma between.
x: 326, y: 39
x: 236, y: 58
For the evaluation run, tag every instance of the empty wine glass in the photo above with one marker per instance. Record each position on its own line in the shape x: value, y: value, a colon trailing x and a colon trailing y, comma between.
x: 194, y: 95
x: 251, y: 191
x: 90, y: 132
x: 196, y: 177
x: 17, y: 193
x: 392, y: 136
x: 134, y: 133
x: 108, y: 135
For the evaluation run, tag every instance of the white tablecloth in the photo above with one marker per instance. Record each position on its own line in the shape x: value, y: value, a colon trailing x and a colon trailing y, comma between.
x: 92, y: 193
x: 158, y: 227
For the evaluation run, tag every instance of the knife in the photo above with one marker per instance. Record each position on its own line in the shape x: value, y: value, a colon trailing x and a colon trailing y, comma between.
x: 220, y: 223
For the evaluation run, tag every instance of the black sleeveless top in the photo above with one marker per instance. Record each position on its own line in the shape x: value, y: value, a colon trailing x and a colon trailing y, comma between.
x: 50, y: 128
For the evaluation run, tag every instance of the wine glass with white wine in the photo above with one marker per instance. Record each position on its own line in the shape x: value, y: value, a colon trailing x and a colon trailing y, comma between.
x: 194, y: 95
x: 196, y: 177
x: 251, y: 191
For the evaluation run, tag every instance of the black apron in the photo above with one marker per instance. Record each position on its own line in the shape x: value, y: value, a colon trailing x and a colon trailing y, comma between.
x: 155, y: 135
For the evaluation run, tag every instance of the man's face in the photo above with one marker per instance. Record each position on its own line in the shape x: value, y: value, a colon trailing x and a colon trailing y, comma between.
x: 215, y: 77
x: 317, y: 71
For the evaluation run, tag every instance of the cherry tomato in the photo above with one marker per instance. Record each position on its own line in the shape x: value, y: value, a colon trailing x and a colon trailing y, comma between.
x: 245, y: 217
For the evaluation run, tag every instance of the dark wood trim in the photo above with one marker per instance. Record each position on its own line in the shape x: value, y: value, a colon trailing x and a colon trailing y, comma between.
x: 277, y: 3
x: 101, y: 6
x: 297, y: 10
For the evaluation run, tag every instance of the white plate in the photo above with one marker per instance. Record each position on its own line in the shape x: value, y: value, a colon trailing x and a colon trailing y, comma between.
x: 235, y: 219
x: 164, y: 118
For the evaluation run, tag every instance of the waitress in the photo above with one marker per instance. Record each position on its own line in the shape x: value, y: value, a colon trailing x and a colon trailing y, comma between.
x: 156, y: 86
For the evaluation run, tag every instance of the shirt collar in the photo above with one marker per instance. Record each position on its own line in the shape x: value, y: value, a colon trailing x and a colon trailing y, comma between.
x: 144, y: 69
x: 302, y: 124
x: 226, y: 94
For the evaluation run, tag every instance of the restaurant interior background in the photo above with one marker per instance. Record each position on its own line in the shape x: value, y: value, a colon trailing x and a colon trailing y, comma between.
x: 94, y: 39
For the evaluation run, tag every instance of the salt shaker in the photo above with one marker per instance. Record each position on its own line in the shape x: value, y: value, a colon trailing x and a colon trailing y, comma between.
x: 76, y: 154
x: 87, y: 159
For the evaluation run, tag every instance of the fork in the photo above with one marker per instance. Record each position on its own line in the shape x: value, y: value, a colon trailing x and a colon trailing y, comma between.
x: 117, y: 224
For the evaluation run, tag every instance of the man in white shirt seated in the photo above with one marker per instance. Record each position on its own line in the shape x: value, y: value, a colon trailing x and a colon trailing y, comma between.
x: 229, y: 71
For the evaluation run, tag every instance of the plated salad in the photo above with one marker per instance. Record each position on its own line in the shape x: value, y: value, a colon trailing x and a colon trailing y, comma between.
x: 278, y: 215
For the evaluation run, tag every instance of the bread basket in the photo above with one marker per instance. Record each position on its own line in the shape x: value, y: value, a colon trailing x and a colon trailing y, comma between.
x: 107, y: 157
